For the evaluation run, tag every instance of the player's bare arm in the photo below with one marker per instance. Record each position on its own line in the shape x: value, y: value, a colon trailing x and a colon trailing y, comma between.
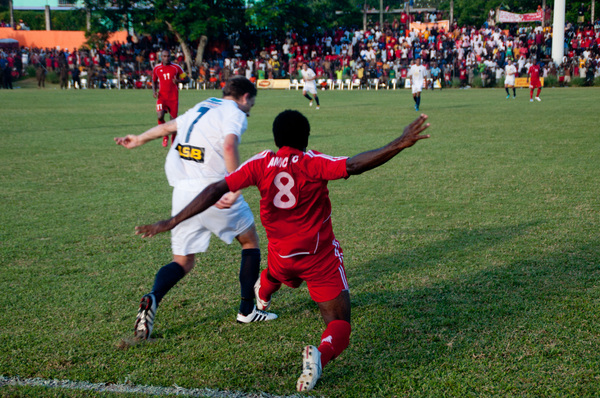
x: 154, y: 89
x: 231, y: 156
x: 158, y: 131
x: 208, y: 197
x: 369, y: 160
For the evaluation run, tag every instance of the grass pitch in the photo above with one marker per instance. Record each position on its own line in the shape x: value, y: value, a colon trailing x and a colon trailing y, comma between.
x: 472, y: 257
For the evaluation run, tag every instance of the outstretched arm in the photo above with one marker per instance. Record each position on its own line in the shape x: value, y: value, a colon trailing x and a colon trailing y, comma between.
x: 208, y: 197
x: 369, y: 160
x: 161, y: 130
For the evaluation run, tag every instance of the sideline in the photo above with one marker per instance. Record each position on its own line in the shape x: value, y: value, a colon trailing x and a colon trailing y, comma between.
x: 123, y: 388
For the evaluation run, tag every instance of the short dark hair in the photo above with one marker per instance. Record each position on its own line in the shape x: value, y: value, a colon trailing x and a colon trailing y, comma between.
x: 291, y: 128
x: 237, y: 86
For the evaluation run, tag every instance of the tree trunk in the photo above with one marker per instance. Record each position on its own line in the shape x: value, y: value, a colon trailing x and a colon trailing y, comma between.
x: 186, y: 50
x: 201, y: 47
x: 12, y: 14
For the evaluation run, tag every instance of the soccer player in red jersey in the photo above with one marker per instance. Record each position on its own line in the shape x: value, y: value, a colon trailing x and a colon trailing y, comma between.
x: 296, y: 212
x: 167, y: 75
x: 533, y: 78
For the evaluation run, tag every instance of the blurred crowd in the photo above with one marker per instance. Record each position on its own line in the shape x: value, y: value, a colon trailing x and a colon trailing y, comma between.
x: 457, y: 53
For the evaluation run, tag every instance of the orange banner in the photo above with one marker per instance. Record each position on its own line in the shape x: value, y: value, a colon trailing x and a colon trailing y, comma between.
x: 53, y: 39
x: 522, y: 82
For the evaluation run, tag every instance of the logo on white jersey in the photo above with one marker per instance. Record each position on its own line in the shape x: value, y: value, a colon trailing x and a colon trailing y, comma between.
x: 188, y: 152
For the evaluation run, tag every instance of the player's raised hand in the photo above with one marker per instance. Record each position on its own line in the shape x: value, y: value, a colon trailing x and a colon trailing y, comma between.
x: 130, y: 141
x: 148, y: 231
x: 412, y: 132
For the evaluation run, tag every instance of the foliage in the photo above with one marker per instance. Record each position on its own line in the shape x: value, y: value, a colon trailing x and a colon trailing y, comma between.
x: 52, y: 77
x: 60, y: 20
x: 477, y: 82
x: 281, y: 16
x: 551, y: 81
x: 577, y: 82
x: 30, y: 71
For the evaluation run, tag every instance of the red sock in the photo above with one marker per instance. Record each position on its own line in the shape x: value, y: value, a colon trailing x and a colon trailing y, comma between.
x: 267, y: 286
x: 531, y: 94
x: 539, y: 91
x: 334, y: 340
x: 161, y: 121
x: 173, y: 137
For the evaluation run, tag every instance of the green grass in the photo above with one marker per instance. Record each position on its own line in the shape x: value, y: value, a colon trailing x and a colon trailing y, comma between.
x: 473, y: 257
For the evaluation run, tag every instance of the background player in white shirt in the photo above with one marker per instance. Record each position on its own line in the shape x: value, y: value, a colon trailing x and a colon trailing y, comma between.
x: 310, y: 84
x: 205, y: 150
x: 509, y: 81
x: 416, y: 74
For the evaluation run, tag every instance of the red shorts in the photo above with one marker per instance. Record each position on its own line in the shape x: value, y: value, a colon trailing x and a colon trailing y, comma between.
x: 168, y: 106
x: 323, y: 272
x: 535, y: 84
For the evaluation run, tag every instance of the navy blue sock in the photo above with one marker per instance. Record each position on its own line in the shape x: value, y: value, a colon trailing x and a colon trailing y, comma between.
x: 308, y: 96
x: 419, y: 101
x: 249, y: 269
x: 317, y: 99
x: 165, y: 279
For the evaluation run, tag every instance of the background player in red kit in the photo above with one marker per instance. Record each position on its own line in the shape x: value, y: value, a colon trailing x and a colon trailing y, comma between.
x: 296, y: 212
x: 167, y: 75
x: 533, y: 78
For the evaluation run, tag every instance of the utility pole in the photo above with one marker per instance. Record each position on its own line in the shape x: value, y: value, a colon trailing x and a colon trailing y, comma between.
x: 543, y: 14
x: 365, y: 16
x: 381, y: 14
x: 12, y: 14
x: 558, y: 32
x: 451, y: 13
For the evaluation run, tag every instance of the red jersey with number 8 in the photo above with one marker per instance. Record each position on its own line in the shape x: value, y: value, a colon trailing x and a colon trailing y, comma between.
x: 294, y: 208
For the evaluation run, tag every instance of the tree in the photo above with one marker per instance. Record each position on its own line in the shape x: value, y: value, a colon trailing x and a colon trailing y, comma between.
x: 281, y: 16
x: 188, y: 20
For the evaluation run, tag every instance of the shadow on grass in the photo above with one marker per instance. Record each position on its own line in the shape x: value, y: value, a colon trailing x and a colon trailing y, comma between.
x: 484, y: 323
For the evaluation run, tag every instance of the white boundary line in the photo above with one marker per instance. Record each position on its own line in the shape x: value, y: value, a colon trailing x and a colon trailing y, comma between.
x: 124, y: 388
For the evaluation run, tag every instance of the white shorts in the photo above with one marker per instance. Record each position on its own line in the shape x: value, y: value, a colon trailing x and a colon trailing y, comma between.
x: 311, y: 88
x: 509, y: 81
x: 193, y: 235
x: 416, y: 87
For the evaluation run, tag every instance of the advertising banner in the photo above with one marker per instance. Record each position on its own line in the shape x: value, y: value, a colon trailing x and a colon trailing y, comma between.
x: 505, y: 16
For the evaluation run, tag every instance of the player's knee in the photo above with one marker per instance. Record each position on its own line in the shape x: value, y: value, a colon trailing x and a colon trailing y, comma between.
x: 186, y: 262
x: 249, y: 238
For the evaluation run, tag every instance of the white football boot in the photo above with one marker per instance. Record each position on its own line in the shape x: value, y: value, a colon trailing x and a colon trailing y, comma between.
x: 256, y: 316
x: 311, y: 368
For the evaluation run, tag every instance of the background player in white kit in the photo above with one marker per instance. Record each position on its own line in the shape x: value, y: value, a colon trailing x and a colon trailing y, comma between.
x: 310, y: 84
x: 416, y: 74
x: 511, y: 72
x: 205, y: 150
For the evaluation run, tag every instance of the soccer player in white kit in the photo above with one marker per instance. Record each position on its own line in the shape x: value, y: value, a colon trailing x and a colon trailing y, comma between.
x: 205, y: 150
x: 310, y: 84
x: 416, y: 74
x: 511, y: 73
